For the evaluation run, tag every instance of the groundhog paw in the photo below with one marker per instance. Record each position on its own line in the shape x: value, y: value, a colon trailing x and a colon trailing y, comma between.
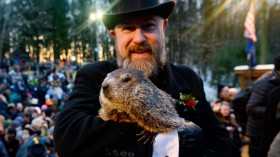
x: 145, y: 136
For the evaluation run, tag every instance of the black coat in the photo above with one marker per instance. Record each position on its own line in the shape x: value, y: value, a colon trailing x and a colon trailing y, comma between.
x: 257, y: 104
x: 79, y: 132
x: 272, y: 121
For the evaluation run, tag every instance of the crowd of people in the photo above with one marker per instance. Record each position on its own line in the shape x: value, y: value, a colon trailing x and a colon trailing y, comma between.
x: 31, y: 95
x: 223, y: 108
x: 251, y: 116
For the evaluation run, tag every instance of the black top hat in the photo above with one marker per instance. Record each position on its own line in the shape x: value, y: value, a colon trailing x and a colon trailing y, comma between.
x: 122, y: 10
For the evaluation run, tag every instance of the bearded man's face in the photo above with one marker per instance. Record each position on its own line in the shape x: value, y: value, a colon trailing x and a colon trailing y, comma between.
x: 140, y: 44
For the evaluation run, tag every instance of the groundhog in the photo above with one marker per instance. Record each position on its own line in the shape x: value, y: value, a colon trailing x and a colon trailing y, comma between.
x: 127, y: 95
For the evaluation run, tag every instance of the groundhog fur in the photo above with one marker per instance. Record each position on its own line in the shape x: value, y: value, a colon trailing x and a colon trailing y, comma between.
x: 127, y: 95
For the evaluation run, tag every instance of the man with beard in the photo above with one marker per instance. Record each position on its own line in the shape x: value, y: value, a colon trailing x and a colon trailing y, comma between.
x: 138, y: 28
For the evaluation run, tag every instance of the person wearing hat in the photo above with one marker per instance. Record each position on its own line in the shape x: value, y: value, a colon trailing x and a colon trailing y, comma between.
x: 138, y: 27
x: 257, y: 106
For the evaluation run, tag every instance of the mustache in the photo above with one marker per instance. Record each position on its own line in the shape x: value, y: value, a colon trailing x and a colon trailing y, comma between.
x: 140, y: 48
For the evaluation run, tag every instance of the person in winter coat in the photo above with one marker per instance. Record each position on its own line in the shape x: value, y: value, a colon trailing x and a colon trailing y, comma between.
x: 256, y: 106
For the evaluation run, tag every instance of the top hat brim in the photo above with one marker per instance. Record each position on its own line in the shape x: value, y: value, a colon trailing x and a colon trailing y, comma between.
x: 164, y: 10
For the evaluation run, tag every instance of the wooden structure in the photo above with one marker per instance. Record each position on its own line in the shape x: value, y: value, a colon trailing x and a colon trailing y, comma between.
x: 244, y: 73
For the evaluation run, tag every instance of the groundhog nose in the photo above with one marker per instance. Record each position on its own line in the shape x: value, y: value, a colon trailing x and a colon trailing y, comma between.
x: 104, y: 87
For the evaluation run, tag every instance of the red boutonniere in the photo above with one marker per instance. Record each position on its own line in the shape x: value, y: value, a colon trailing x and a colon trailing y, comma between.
x: 188, y: 101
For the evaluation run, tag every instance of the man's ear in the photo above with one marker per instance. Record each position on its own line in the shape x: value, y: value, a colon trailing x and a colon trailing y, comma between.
x: 112, y: 33
x: 164, y: 25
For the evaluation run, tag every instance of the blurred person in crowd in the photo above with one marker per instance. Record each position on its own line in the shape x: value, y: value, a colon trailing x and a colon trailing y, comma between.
x: 40, y: 90
x: 3, y: 151
x: 10, y: 110
x: 27, y: 116
x: 34, y: 146
x: 44, y: 107
x: 3, y: 107
x: 35, y: 112
x: 239, y: 104
x: 12, y: 71
x: 14, y: 96
x: 4, y: 66
x: 232, y: 93
x: 51, y: 151
x: 2, y: 131
x: 138, y: 27
x: 18, y: 111
x: 33, y: 79
x: 2, y: 119
x: 26, y: 133
x: 57, y: 92
x: 256, y: 106
x: 225, y: 95
x: 51, y: 76
x: 11, y: 143
x: 3, y: 97
x: 274, y: 150
x: 222, y: 95
x: 227, y: 117
x: 271, y: 122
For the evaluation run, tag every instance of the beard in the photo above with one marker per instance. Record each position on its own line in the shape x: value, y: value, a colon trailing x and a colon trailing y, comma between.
x: 148, y: 65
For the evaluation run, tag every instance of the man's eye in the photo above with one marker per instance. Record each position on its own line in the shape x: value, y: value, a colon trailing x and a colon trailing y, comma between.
x: 129, y: 28
x: 148, y: 26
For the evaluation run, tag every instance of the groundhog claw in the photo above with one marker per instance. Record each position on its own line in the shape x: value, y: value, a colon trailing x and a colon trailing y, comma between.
x: 146, y: 136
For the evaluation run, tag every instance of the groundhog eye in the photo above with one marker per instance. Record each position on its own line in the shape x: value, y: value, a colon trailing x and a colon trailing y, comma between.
x: 126, y: 79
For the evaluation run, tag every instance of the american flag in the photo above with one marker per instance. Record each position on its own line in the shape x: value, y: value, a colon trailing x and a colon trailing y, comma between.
x: 250, y: 33
x: 249, y: 24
